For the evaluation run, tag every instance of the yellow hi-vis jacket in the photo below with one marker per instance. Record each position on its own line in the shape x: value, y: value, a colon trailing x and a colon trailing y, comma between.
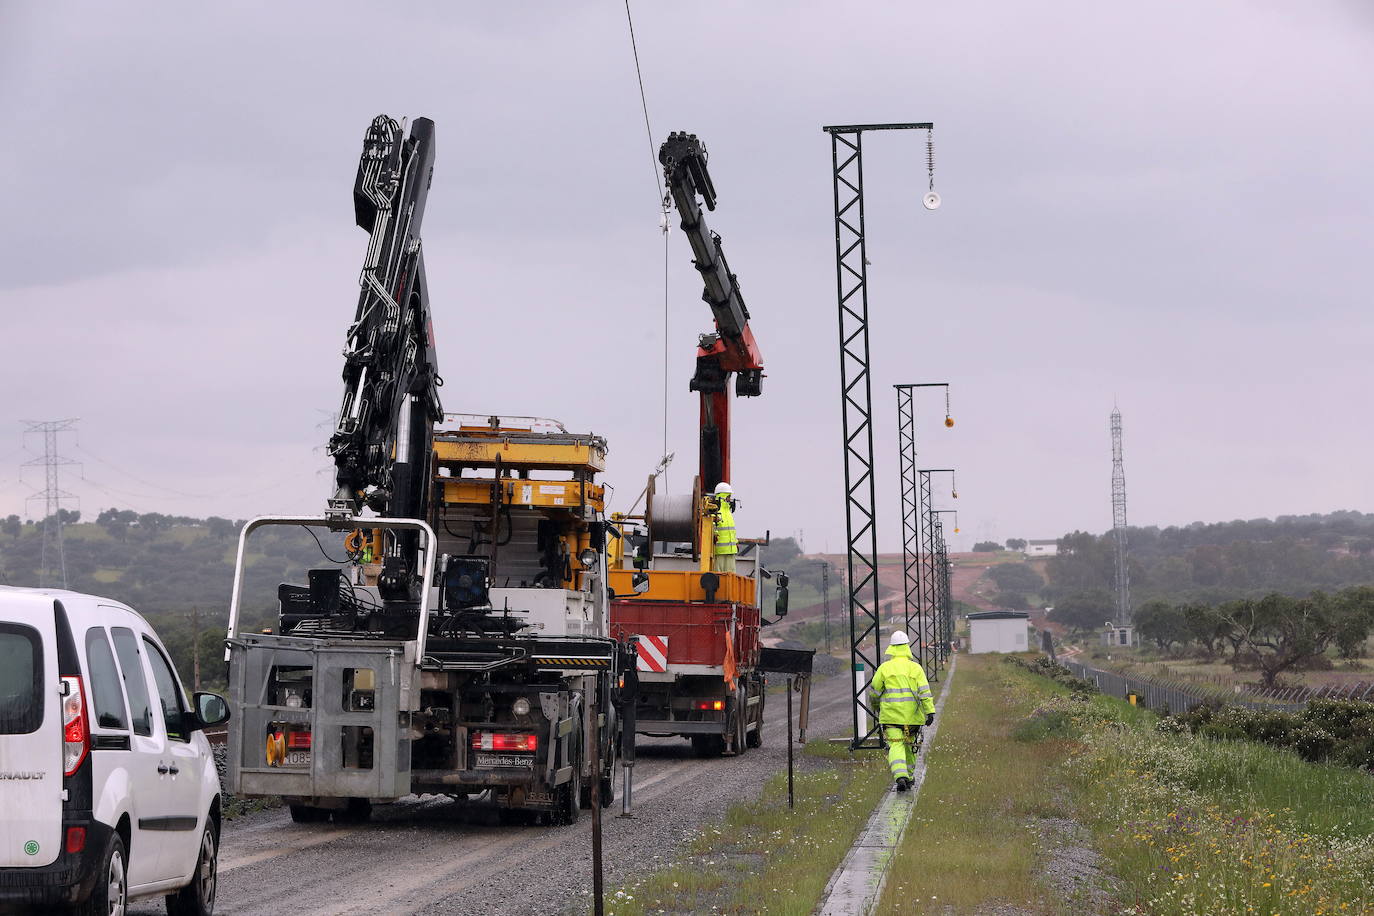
x: 900, y: 689
x: 726, y: 543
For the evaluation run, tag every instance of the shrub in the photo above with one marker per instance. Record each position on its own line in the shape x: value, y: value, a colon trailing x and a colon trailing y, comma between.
x: 1045, y: 667
x: 1313, y: 744
x: 1342, y: 718
x: 1222, y: 731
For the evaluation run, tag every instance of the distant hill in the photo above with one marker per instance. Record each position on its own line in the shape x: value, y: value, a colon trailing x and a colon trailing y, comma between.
x: 170, y: 568
x: 1211, y: 562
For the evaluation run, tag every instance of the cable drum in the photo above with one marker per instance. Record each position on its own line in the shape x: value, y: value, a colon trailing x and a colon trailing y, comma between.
x: 672, y: 517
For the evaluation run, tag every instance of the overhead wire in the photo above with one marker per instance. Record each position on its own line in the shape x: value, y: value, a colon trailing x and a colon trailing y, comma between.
x: 663, y: 203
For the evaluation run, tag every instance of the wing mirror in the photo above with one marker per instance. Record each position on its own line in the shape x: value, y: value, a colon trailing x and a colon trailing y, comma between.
x: 211, y: 709
x: 780, y: 596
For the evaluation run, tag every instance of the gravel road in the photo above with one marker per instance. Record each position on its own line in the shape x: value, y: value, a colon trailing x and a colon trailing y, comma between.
x: 435, y: 855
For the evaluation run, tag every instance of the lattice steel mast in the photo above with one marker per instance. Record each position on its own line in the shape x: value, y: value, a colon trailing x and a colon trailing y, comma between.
x: 911, y: 524
x: 1123, y: 576
x: 856, y: 403
x: 52, y: 496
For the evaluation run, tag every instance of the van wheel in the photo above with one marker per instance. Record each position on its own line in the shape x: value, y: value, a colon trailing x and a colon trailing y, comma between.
x: 111, y: 893
x: 198, y: 897
x: 308, y: 814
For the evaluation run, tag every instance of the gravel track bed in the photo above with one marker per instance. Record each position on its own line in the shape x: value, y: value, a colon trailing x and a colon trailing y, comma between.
x: 435, y: 855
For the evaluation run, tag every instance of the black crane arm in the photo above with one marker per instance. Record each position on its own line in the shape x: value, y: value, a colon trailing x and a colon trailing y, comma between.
x: 684, y: 157
x: 382, y: 443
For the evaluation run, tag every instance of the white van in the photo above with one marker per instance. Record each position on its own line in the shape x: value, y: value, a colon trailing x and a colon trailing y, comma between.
x: 108, y: 788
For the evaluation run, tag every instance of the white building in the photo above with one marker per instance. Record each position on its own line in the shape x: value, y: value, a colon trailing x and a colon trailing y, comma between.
x: 998, y: 631
x: 1041, y: 548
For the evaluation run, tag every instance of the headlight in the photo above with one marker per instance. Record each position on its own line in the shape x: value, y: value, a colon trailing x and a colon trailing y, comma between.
x: 588, y: 557
x: 521, y: 707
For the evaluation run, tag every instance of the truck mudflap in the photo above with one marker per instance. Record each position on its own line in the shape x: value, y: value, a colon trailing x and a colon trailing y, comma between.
x: 319, y: 718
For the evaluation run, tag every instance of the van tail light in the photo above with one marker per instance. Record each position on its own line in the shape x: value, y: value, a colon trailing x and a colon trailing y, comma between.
x: 504, y: 741
x: 76, y: 735
x: 76, y: 839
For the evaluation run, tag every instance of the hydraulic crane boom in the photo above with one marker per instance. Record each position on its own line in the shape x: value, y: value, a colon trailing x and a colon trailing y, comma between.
x: 731, y: 348
x: 383, y: 441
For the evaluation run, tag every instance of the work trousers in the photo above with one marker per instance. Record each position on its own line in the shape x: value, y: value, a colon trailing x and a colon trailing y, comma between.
x: 902, y: 741
x: 723, y: 563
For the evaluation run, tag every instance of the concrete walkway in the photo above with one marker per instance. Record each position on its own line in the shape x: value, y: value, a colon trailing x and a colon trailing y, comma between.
x: 857, y: 885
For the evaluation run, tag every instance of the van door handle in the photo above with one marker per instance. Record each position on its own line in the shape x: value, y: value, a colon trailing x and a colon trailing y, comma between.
x: 162, y: 768
x: 173, y: 769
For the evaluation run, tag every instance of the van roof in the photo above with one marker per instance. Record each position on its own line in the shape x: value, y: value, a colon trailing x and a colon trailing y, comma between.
x: 72, y: 601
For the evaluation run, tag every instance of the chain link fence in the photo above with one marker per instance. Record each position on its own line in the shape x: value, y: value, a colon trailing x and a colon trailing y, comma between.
x: 1174, y: 696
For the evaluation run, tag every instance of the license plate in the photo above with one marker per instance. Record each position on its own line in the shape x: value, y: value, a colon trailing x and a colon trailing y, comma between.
x: 504, y: 760
x: 296, y: 759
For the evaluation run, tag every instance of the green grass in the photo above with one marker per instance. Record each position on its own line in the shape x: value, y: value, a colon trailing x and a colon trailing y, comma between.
x: 970, y: 844
x: 1194, y: 825
x: 763, y: 857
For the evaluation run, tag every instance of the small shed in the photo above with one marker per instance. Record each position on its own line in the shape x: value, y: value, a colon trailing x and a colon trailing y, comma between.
x: 1041, y: 548
x: 998, y: 631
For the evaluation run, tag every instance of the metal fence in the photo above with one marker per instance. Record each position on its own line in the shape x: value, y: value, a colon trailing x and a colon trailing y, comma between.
x: 1174, y: 696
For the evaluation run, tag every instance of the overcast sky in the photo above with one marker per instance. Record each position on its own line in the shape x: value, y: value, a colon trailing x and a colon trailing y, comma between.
x: 1167, y: 206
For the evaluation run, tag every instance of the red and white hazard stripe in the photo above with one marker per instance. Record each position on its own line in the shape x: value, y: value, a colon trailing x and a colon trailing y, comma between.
x: 653, y: 653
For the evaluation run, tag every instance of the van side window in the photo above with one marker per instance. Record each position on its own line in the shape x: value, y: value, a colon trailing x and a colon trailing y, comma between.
x: 135, y: 686
x: 173, y: 702
x: 105, y: 689
x: 21, y: 679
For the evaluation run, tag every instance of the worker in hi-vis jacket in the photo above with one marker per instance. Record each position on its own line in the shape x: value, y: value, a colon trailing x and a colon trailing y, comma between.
x: 902, y: 694
x: 723, y: 530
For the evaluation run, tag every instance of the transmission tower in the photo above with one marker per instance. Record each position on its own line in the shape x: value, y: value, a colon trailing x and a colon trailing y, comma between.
x: 52, y: 495
x: 1123, y: 578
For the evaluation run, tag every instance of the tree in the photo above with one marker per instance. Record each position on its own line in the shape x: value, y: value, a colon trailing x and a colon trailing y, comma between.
x: 1084, y: 562
x: 1282, y: 632
x: 1162, y: 623
x: 220, y: 528
x: 13, y: 526
x: 1086, y: 609
x: 1016, y: 577
x: 1206, y: 626
x: 1354, y: 611
x: 1016, y: 543
x: 116, y: 522
x: 68, y: 516
x: 1012, y: 601
x: 986, y: 547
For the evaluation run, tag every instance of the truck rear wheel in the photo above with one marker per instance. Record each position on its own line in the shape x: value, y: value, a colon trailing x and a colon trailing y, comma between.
x: 708, y: 745
x: 570, y: 798
x: 308, y: 814
x: 755, y: 738
x: 357, y: 811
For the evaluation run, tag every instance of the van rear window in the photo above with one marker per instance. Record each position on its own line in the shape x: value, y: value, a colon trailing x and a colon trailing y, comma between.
x: 21, y: 679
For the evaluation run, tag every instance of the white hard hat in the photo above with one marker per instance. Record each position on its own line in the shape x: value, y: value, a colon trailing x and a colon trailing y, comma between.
x: 722, y: 488
x: 899, y: 638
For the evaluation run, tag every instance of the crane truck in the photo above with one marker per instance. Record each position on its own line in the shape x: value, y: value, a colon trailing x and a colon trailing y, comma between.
x: 699, y: 660
x: 461, y: 645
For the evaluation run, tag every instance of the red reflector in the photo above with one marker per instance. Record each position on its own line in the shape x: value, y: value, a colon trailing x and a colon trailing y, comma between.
x: 298, y: 740
x: 76, y: 839
x: 75, y: 730
x: 504, y: 741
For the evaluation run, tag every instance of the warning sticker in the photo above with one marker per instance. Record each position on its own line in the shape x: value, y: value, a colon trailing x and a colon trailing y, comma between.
x: 548, y: 490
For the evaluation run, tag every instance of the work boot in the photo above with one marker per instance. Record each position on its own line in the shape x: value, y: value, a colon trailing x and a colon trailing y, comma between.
x: 903, y: 783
